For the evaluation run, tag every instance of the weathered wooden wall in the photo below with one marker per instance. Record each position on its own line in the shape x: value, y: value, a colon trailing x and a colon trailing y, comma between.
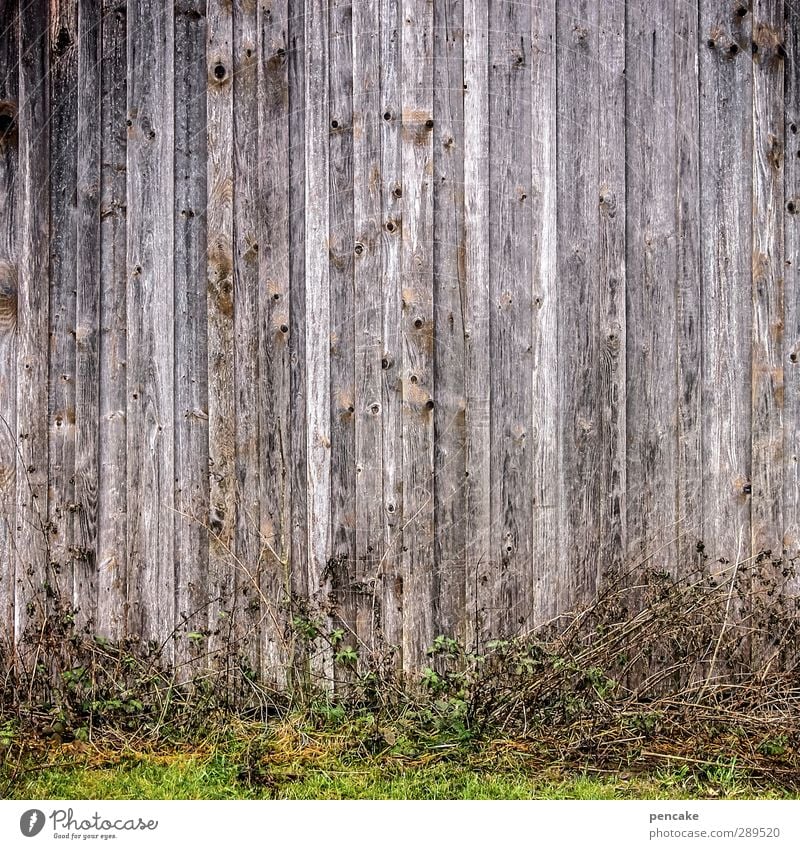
x: 430, y: 312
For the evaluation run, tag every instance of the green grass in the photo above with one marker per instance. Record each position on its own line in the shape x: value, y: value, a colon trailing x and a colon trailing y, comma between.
x: 304, y: 764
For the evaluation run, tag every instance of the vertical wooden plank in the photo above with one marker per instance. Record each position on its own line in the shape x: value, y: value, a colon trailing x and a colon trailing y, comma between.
x: 611, y: 327
x: 275, y: 399
x: 297, y: 307
x: 369, y: 411
x: 317, y: 312
x: 63, y: 125
x: 32, y: 543
x: 791, y: 271
x: 689, y: 462
x: 419, y: 602
x: 768, y: 279
x: 591, y: 334
x: 511, y: 345
x: 391, y: 566
x: 219, y: 332
x: 9, y: 59
x: 343, y: 413
x: 150, y: 306
x: 112, y: 485
x: 544, y: 434
x: 449, y: 547
x: 191, y: 355
x: 652, y: 261
x: 246, y: 331
x: 725, y: 215
x: 87, y: 314
x: 476, y: 314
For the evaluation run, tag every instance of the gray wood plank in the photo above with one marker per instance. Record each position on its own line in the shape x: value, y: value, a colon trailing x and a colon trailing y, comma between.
x: 112, y: 551
x: 689, y: 475
x: 220, y: 333
x: 318, y: 317
x: 191, y: 355
x: 391, y: 565
x: 342, y: 564
x: 275, y: 399
x: 591, y: 336
x: 32, y: 542
x: 150, y: 308
x: 509, y: 572
x: 652, y: 262
x: 767, y: 524
x: 544, y: 433
x: 87, y: 314
x: 297, y: 317
x: 791, y: 271
x: 111, y: 543
x: 725, y: 215
x: 9, y: 82
x: 611, y: 329
x: 416, y: 90
x: 368, y: 243
x: 449, y: 547
x: 246, y: 331
x: 476, y: 316
x: 63, y: 127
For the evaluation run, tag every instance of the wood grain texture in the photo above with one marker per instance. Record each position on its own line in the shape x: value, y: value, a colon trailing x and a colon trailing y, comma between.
x: 151, y: 322
x: 9, y: 89
x: 391, y: 566
x: 342, y: 563
x: 688, y: 306
x: 299, y: 573
x: 318, y: 317
x: 275, y: 399
x: 368, y: 248
x: 63, y: 260
x: 419, y: 397
x: 246, y: 332
x: 406, y: 316
x: 87, y: 316
x: 112, y: 550
x: 509, y: 571
x: 449, y: 542
x: 32, y: 537
x: 652, y: 244
x: 191, y: 363
x: 592, y: 319
x: 476, y: 317
x: 725, y: 215
x: 546, y: 599
x: 219, y: 323
x: 791, y: 272
x: 767, y: 524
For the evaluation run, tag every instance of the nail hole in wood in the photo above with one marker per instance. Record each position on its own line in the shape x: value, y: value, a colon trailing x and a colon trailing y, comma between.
x: 390, y: 226
x: 793, y: 357
x: 734, y: 49
x: 284, y: 328
x: 418, y: 323
x: 335, y: 125
x: 429, y: 123
x: 219, y: 71
x: 387, y: 115
x: 414, y: 378
x: 791, y: 207
x: 429, y: 404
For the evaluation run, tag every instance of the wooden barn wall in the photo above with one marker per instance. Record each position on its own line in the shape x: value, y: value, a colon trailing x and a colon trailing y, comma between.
x: 423, y: 316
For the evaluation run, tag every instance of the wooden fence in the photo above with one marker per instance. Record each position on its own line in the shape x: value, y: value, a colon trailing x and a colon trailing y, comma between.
x: 427, y: 312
